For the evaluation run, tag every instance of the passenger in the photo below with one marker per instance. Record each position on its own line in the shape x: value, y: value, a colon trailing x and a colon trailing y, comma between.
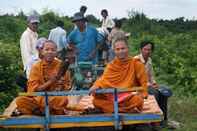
x: 123, y: 72
x: 44, y: 77
x: 58, y: 35
x: 107, y: 23
x: 28, y: 42
x: 21, y: 80
x: 161, y: 93
x: 115, y: 29
x: 112, y: 35
x: 85, y: 38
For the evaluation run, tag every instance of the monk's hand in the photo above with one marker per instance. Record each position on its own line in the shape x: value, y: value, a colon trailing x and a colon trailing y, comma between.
x: 60, y: 84
x: 92, y: 90
x: 53, y: 79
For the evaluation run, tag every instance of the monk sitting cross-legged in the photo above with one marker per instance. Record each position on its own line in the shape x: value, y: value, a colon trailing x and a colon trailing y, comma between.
x: 122, y: 72
x: 44, y: 76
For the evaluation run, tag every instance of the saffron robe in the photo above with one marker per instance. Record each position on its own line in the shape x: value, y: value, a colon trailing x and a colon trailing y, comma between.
x: 41, y: 73
x: 119, y: 74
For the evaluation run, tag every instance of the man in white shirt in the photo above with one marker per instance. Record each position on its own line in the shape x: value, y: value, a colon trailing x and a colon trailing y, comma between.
x: 160, y: 92
x: 28, y: 42
x: 58, y: 35
x: 107, y: 23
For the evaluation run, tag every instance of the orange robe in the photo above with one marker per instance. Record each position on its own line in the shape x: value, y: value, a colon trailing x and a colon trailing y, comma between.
x: 40, y: 73
x: 119, y: 74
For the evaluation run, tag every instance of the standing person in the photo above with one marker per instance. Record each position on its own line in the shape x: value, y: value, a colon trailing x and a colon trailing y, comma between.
x: 44, y: 76
x: 112, y: 35
x: 116, y: 28
x: 83, y: 10
x: 39, y: 47
x: 85, y: 38
x: 58, y: 35
x: 107, y: 23
x: 28, y: 42
x: 123, y: 72
x: 21, y: 80
x: 161, y: 93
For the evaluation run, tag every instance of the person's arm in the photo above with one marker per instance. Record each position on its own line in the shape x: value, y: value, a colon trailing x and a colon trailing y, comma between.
x: 141, y: 77
x: 46, y: 85
x: 152, y: 82
x: 35, y: 82
x: 99, y: 41
x: 70, y: 41
x: 26, y: 49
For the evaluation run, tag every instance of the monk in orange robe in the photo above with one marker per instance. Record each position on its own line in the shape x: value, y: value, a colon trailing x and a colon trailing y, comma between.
x: 122, y: 72
x: 44, y: 77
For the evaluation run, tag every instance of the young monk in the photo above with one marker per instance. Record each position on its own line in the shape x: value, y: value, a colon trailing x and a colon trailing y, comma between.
x: 122, y: 72
x: 44, y: 77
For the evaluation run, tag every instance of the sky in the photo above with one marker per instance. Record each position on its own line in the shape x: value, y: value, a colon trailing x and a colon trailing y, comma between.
x: 158, y: 9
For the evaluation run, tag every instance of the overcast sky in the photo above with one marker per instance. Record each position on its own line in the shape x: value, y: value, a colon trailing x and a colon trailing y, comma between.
x: 165, y: 9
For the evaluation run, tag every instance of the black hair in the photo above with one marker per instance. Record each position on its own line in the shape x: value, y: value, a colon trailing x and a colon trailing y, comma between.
x: 50, y: 41
x: 60, y: 23
x: 104, y: 11
x: 144, y: 43
x: 83, y: 8
x: 118, y: 23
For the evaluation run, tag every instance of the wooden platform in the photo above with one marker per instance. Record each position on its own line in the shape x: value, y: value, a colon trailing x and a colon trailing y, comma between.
x: 151, y: 113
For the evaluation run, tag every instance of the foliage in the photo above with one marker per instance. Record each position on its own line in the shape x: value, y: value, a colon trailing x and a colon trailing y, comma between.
x: 9, y: 66
x: 93, y: 20
x: 174, y: 57
x: 11, y: 28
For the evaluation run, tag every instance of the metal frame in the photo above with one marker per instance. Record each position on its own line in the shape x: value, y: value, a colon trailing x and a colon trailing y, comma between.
x: 48, y: 121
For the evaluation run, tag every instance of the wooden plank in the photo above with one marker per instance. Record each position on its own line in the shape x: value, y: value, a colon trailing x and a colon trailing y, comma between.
x: 10, y: 109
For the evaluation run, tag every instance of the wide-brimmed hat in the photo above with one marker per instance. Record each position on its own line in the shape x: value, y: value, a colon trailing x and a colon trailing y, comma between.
x: 78, y: 17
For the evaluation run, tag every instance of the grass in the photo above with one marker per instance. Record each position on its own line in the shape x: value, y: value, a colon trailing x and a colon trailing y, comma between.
x: 183, y: 110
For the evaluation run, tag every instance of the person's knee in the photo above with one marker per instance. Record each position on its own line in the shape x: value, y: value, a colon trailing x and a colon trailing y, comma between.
x: 153, y: 91
x: 138, y: 100
x: 165, y: 91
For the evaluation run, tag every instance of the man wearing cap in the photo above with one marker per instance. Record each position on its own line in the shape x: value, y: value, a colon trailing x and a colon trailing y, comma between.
x: 28, y: 41
x: 85, y: 38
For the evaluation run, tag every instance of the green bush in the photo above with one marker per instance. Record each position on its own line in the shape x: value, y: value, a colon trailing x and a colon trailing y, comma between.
x: 9, y: 67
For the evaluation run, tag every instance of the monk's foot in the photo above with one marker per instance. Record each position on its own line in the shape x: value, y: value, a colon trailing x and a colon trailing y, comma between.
x: 91, y: 111
x: 16, y: 112
x: 66, y: 112
x: 37, y: 112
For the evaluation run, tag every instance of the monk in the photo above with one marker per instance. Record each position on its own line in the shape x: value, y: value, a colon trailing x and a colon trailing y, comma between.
x: 123, y: 72
x: 44, y: 77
